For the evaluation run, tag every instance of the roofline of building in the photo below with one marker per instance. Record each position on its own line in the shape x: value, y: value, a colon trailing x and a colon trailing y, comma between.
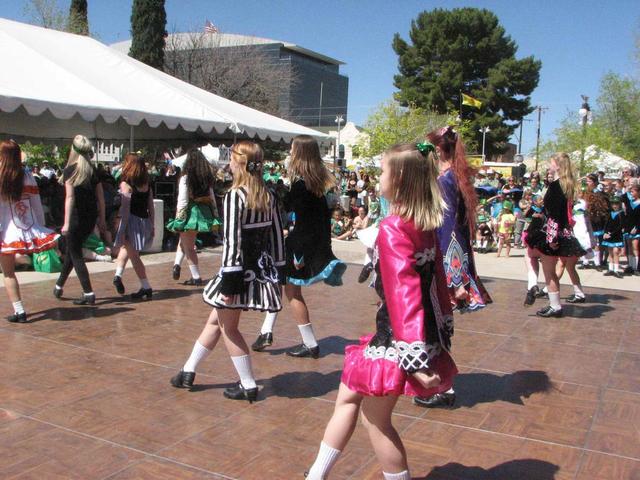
x: 251, y: 40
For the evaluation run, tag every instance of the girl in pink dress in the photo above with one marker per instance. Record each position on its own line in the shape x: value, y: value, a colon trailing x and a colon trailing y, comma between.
x: 408, y: 353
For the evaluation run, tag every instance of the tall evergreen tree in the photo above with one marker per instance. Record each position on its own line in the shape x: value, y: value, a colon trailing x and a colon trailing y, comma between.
x: 148, y: 32
x: 466, y: 50
x: 78, y: 21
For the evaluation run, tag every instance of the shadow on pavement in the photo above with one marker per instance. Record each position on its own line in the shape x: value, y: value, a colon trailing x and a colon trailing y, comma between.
x: 73, y: 313
x: 332, y: 345
x: 474, y: 388
x: 522, y: 469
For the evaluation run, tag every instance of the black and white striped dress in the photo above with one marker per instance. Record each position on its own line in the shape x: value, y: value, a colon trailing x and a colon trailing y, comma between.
x: 252, y: 257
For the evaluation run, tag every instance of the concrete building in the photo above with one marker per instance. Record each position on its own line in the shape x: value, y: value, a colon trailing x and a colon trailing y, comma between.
x: 317, y: 91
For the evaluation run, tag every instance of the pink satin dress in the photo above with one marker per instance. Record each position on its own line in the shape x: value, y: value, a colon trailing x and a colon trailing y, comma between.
x: 414, y: 323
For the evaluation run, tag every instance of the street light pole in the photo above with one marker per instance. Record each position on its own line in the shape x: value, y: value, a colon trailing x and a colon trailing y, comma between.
x: 484, y: 131
x: 339, y: 120
x: 585, y: 118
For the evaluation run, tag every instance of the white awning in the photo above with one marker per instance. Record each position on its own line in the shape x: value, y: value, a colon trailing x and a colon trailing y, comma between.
x: 75, y: 84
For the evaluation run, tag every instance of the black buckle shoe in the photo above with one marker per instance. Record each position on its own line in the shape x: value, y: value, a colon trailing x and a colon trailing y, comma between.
x: 85, y: 300
x: 366, y: 271
x: 542, y: 294
x: 532, y: 294
x: 142, y: 294
x: 446, y: 400
x: 264, y: 340
x: 194, y: 282
x: 240, y: 393
x: 618, y: 275
x: 183, y: 379
x: 175, y: 273
x: 302, y: 351
x: 549, y: 311
x: 18, y: 318
x: 117, y: 282
x: 57, y: 292
x: 575, y: 299
x: 608, y: 273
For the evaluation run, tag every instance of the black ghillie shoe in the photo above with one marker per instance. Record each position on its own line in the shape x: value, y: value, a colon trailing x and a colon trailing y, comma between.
x: 85, y: 300
x: 18, y: 318
x: 142, y: 294
x: 549, y: 311
x: 264, y: 340
x: 446, y: 400
x: 194, y: 282
x: 175, y: 273
x: 303, y: 351
x: 57, y: 292
x: 575, y: 299
x: 240, y: 393
x: 117, y: 282
x: 366, y: 271
x: 532, y: 294
x: 183, y: 379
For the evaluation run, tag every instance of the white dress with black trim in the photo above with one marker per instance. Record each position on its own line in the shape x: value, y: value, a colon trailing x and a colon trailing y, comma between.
x: 253, y: 257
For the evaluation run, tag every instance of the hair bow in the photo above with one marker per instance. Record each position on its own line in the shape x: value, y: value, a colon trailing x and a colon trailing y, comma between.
x: 425, y: 147
x: 252, y: 166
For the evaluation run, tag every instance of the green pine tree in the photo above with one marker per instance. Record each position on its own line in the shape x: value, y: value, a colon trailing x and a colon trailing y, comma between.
x: 148, y: 31
x: 466, y: 50
x: 78, y: 21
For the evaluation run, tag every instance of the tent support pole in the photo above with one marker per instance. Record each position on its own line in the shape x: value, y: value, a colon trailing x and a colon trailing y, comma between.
x: 131, y: 139
x: 95, y: 138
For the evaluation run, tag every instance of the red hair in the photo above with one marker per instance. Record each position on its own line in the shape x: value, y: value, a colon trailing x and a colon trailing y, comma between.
x: 452, y: 150
x: 11, y: 171
x: 134, y: 171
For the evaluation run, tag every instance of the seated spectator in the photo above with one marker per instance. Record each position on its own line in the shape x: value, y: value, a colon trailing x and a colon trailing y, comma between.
x: 46, y: 170
x: 481, y: 179
x: 510, y: 186
x: 340, y: 229
x: 361, y: 221
x: 374, y: 206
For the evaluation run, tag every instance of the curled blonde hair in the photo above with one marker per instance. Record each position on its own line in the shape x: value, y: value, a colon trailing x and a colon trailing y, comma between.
x: 80, y: 155
x: 306, y: 163
x: 566, y: 176
x: 250, y: 159
x: 414, y: 185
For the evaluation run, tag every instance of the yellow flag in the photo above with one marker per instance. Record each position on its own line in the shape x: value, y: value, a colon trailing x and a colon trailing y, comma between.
x: 472, y: 102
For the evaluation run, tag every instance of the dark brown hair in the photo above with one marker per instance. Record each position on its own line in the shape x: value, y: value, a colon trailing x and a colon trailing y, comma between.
x: 11, y: 171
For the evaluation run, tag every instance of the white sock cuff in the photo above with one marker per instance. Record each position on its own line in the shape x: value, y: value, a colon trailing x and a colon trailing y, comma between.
x: 326, y: 459
x: 119, y: 271
x: 195, y: 271
x: 199, y: 353
x: 308, y: 338
x: 532, y: 279
x: 269, y: 322
x: 245, y: 372
x: 144, y: 283
x: 554, y: 300
x: 18, y: 307
x: 179, y: 256
x: 577, y: 290
x: 397, y: 476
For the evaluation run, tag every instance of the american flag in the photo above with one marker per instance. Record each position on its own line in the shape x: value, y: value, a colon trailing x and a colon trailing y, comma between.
x: 210, y: 27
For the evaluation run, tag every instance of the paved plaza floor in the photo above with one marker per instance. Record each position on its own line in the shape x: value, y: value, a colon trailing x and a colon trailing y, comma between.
x: 84, y: 391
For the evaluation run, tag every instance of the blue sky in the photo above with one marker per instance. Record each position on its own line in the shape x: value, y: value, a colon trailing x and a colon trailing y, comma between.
x: 577, y: 40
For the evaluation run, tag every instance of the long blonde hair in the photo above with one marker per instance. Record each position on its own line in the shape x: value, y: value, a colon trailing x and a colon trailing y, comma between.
x: 565, y: 175
x: 250, y: 160
x: 80, y: 155
x: 414, y: 185
x: 306, y: 163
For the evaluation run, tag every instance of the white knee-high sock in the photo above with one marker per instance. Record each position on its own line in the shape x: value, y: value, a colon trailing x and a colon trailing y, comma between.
x: 195, y: 272
x: 119, y: 271
x: 554, y: 300
x: 397, y: 476
x: 179, y: 257
x: 326, y: 459
x: 18, y: 307
x: 308, y: 338
x: 245, y: 372
x: 269, y: 322
x: 144, y: 283
x: 577, y: 290
x: 199, y: 353
x: 596, y: 258
x: 532, y: 279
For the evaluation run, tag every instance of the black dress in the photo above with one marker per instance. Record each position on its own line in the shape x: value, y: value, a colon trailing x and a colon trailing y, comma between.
x: 310, y: 258
x: 557, y: 228
x: 614, y: 228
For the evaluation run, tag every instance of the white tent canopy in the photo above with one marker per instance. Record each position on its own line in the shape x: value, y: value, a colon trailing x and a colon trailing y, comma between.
x: 59, y: 84
x: 602, y: 160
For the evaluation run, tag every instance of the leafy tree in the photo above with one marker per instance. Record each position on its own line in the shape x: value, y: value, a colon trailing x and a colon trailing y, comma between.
x: 466, y: 50
x: 148, y: 23
x: 45, y: 13
x: 78, y: 21
x: 619, y: 111
x: 391, y: 123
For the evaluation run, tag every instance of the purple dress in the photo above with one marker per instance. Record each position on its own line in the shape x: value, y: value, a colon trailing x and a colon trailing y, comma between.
x: 455, y: 243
